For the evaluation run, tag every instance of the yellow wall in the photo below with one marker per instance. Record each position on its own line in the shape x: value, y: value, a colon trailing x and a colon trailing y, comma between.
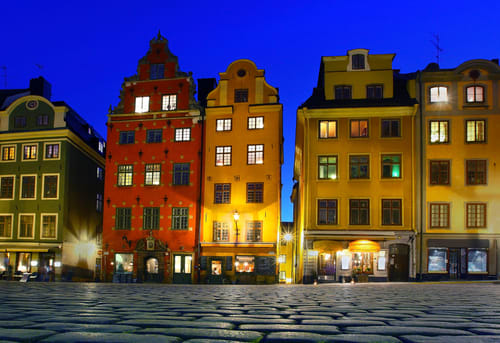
x: 457, y: 151
x: 262, y: 101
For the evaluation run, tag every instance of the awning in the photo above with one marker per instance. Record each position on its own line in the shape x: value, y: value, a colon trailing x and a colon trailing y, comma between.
x: 364, y: 245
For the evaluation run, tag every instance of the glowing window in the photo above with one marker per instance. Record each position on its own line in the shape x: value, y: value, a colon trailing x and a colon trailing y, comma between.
x: 476, y: 131
x: 223, y: 125
x: 141, y: 104
x: 327, y: 129
x: 391, y: 166
x: 169, y: 102
x: 255, y: 154
x: 255, y: 123
x: 438, y: 94
x: 438, y: 131
x: 475, y: 94
x: 327, y: 167
x: 359, y: 128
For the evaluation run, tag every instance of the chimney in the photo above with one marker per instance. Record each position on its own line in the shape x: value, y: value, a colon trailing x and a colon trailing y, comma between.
x: 41, y: 87
x: 205, y: 86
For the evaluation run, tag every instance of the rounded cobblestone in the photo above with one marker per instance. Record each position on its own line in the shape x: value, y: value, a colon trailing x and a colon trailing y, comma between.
x: 89, y: 312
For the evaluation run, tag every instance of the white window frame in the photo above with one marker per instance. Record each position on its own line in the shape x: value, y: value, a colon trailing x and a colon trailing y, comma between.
x: 220, y: 155
x: 256, y: 150
x: 41, y: 225
x: 19, y: 225
x: 441, y: 96
x: 13, y: 186
x: 43, y: 186
x: 167, y: 104
x: 11, y: 215
x: 182, y: 134
x: 255, y: 123
x: 45, y: 151
x: 8, y: 146
x: 220, y: 124
x: 141, y: 104
x: 30, y: 159
x: 21, y: 186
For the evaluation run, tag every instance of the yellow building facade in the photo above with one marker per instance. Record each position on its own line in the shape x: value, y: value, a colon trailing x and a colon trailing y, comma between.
x: 460, y: 126
x: 243, y: 155
x: 355, y: 170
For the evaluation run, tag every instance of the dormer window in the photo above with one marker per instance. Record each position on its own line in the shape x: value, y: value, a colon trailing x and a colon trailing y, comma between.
x: 157, y: 71
x: 343, y: 92
x: 475, y: 94
x: 358, y: 61
x: 438, y: 94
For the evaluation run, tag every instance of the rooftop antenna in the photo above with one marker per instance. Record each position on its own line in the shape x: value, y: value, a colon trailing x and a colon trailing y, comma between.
x: 437, y: 46
x: 4, y: 68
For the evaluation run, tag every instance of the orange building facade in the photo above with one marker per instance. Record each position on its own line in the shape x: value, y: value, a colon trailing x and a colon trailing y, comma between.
x: 152, y: 182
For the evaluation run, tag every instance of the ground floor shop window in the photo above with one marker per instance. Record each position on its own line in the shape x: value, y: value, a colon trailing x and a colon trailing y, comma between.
x: 477, y: 261
x: 4, y: 261
x: 437, y: 260
x: 245, y: 264
x: 362, y: 262
x: 23, y: 262
x: 124, y: 263
x: 216, y: 267
x: 345, y: 262
x: 381, y: 261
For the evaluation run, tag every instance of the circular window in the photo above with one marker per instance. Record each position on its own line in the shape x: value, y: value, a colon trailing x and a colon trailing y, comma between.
x: 242, y: 72
x: 32, y: 104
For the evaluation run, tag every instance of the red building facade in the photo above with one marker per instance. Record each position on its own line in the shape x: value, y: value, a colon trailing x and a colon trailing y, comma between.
x: 152, y: 182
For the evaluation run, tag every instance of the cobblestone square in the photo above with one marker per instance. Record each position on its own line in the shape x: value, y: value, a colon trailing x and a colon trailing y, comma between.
x: 80, y: 312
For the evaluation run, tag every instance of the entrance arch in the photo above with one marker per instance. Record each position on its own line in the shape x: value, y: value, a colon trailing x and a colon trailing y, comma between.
x: 151, y: 270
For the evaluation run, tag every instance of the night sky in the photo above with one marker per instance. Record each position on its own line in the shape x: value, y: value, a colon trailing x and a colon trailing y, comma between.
x: 85, y: 49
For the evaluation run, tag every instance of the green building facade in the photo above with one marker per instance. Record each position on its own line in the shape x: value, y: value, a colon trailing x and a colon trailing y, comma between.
x: 51, y: 188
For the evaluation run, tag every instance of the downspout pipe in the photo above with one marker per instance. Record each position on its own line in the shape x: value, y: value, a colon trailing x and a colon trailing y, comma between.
x: 200, y: 194
x: 422, y: 176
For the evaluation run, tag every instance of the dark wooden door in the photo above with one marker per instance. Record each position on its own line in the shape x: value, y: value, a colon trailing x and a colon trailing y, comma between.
x: 399, y: 262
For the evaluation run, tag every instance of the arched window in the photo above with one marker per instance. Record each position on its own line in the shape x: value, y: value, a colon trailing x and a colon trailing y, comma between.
x: 475, y: 94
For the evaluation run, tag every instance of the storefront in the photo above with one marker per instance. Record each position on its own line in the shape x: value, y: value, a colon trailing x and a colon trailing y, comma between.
x: 40, y: 263
x: 362, y: 260
x: 459, y: 259
x: 249, y: 265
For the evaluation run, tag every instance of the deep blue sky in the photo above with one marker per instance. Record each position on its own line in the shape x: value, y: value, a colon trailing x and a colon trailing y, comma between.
x: 86, y: 48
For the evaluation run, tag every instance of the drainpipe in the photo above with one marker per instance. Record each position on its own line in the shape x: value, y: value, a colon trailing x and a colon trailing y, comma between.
x: 421, y: 168
x: 200, y: 194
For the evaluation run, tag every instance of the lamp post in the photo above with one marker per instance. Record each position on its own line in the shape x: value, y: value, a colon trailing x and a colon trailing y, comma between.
x: 236, y: 217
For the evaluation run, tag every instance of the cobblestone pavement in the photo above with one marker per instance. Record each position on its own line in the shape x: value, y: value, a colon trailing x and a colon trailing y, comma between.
x: 79, y: 312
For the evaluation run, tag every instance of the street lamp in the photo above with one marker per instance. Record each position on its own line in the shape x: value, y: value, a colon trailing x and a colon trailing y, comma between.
x: 236, y: 217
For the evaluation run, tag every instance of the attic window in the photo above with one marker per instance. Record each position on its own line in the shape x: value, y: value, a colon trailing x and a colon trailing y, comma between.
x: 157, y: 71
x: 358, y: 61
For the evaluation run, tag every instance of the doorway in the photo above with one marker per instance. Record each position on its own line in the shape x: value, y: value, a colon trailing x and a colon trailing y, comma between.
x: 182, y: 269
x: 457, y: 263
x: 46, y: 266
x: 151, y: 270
x: 399, y: 262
